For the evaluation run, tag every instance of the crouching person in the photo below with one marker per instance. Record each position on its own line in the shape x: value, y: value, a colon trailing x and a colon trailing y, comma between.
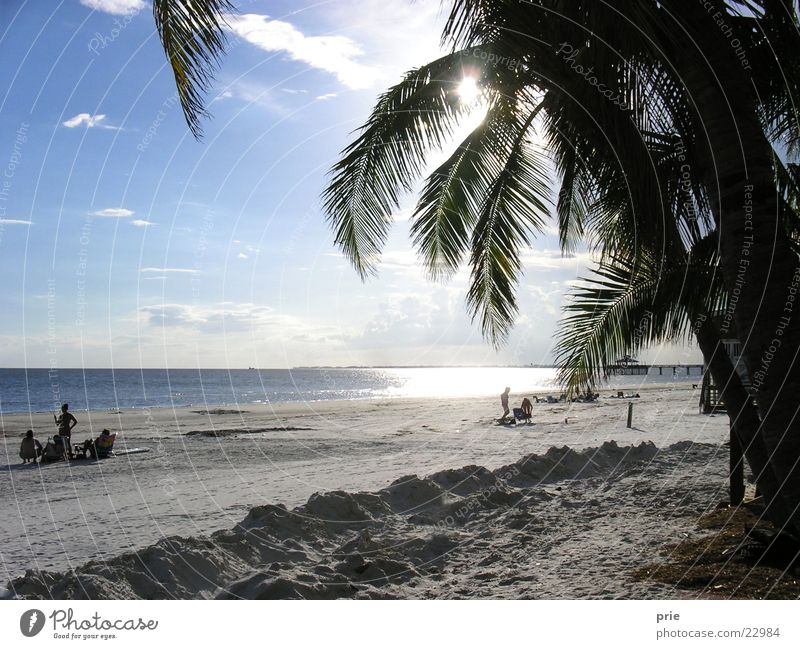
x: 30, y: 448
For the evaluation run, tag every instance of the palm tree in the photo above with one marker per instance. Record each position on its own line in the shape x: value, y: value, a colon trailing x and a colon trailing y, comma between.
x: 661, y: 75
x: 640, y: 73
x: 628, y: 304
x: 638, y: 295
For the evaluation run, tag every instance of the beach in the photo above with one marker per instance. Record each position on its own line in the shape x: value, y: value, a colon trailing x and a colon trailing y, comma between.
x: 371, y: 498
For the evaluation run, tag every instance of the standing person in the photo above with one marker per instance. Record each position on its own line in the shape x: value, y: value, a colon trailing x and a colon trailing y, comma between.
x: 30, y: 448
x: 527, y: 407
x: 66, y: 422
x: 504, y: 403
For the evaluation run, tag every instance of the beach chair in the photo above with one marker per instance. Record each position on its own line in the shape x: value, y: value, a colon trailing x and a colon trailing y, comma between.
x: 104, y: 446
x: 519, y: 415
x: 79, y: 451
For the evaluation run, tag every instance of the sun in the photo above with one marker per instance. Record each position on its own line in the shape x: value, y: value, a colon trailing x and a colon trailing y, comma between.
x: 468, y: 90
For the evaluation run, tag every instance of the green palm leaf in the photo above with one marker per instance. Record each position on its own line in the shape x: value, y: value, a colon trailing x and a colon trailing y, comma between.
x: 454, y: 194
x: 516, y: 204
x: 627, y: 305
x: 409, y: 119
x: 193, y: 36
x: 446, y: 210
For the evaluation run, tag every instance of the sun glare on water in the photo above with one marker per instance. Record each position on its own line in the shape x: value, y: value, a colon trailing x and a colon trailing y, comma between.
x: 468, y: 90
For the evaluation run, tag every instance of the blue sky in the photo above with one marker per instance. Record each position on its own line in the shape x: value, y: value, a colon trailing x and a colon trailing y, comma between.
x: 124, y: 242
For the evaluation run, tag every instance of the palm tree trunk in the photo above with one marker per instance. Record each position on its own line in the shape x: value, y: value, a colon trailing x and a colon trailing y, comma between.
x: 759, y: 268
x: 737, y: 489
x: 743, y: 416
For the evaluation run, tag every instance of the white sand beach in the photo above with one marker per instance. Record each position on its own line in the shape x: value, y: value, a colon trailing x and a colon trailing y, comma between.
x: 394, y: 498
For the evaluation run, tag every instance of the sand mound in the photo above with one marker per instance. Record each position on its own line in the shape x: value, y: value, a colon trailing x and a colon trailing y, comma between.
x: 465, y: 481
x: 410, y: 493
x: 269, y: 585
x: 340, y: 509
x: 397, y: 542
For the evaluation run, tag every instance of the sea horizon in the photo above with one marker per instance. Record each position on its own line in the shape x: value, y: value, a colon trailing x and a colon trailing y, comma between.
x: 339, y: 367
x: 37, y: 390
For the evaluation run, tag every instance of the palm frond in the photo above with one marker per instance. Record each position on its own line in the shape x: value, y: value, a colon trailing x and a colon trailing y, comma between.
x: 447, y: 207
x: 516, y: 204
x: 626, y: 306
x: 409, y: 119
x: 571, y: 207
x: 454, y: 194
x: 192, y: 33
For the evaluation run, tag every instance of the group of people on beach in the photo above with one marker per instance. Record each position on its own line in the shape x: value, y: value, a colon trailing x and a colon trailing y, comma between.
x: 59, y: 446
x: 525, y: 410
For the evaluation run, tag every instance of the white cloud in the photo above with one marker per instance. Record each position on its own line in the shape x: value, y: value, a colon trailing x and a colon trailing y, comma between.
x: 281, y: 330
x: 213, y: 318
x: 400, y: 259
x: 87, y: 120
x: 546, y: 296
x: 225, y: 94
x: 257, y: 94
x: 326, y: 96
x: 173, y: 315
x: 417, y: 321
x: 114, y: 213
x: 15, y: 222
x: 116, y: 7
x: 554, y: 259
x: 382, y: 30
x: 403, y: 215
x: 241, y: 255
x: 188, y: 271
x: 335, y: 54
x: 140, y: 223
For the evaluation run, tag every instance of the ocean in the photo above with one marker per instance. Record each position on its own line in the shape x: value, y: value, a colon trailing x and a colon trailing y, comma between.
x: 41, y: 390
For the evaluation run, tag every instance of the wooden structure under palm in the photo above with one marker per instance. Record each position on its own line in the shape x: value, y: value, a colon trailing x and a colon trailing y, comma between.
x: 710, y: 395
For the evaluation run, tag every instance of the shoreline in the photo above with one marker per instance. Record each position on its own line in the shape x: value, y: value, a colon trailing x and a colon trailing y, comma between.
x: 247, y: 407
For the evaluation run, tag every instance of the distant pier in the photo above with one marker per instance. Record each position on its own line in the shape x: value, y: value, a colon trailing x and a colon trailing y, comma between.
x: 673, y: 369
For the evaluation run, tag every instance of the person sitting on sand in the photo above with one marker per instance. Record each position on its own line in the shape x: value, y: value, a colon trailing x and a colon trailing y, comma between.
x: 54, y: 449
x: 504, y: 403
x: 100, y: 447
x: 104, y: 443
x: 66, y: 422
x: 30, y: 448
x: 527, y: 407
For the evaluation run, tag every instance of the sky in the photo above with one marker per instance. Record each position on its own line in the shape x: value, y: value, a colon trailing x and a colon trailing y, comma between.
x: 124, y: 242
